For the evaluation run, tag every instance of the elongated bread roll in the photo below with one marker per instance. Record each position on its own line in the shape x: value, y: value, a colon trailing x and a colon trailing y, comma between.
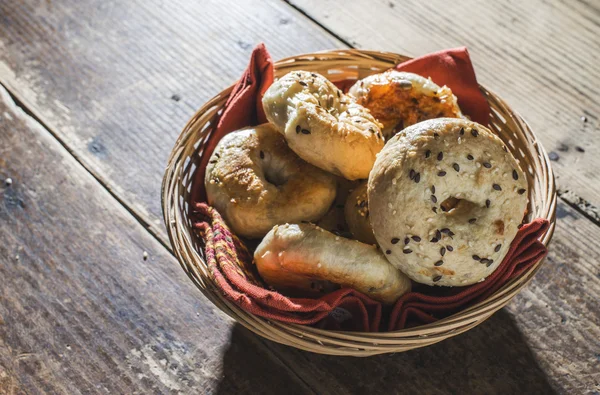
x: 305, y: 259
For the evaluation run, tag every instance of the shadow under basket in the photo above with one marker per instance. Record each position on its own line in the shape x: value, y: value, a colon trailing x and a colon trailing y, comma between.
x: 339, y: 65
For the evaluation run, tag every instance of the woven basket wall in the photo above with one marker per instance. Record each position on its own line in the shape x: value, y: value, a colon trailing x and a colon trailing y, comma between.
x: 339, y: 65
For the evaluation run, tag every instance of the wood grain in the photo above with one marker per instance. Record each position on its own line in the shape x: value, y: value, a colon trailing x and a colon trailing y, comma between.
x: 102, y: 76
x: 541, y: 56
x: 81, y: 311
x: 117, y: 81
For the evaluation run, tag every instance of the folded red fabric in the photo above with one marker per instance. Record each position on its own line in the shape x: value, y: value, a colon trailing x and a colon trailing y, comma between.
x: 230, y: 263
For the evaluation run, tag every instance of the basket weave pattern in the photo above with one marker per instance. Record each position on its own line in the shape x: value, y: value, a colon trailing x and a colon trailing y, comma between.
x: 341, y: 65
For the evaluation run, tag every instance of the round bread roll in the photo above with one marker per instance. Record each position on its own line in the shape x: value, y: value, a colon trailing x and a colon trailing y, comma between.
x: 334, y: 220
x: 357, y: 215
x: 445, y: 199
x: 307, y: 260
x: 399, y: 99
x: 255, y: 182
x: 322, y: 125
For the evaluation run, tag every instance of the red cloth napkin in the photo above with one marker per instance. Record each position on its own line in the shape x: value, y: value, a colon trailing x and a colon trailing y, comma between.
x: 229, y: 261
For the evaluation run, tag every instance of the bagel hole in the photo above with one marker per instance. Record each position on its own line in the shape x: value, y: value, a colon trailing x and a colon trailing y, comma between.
x: 458, y: 207
x: 275, y: 176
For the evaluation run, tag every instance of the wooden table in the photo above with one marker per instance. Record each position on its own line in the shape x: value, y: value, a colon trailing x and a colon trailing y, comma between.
x: 93, y: 96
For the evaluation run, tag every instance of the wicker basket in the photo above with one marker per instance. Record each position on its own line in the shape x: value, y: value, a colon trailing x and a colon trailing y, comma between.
x: 338, y: 65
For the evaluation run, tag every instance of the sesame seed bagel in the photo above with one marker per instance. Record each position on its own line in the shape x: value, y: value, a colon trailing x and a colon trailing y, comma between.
x: 458, y: 196
x: 357, y: 215
x: 399, y: 99
x: 255, y: 182
x: 322, y: 125
x: 307, y: 260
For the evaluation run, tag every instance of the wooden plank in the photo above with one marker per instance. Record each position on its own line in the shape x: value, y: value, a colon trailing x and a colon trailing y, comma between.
x: 99, y: 84
x: 117, y: 81
x: 541, y: 56
x: 81, y: 311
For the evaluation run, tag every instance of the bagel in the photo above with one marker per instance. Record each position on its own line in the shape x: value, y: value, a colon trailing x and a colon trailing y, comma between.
x: 447, y: 198
x: 357, y: 215
x: 400, y: 99
x: 334, y: 220
x: 322, y: 125
x: 255, y: 182
x: 307, y: 260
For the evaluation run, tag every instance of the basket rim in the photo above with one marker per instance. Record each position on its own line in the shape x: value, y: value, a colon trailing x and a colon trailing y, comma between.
x: 373, y: 342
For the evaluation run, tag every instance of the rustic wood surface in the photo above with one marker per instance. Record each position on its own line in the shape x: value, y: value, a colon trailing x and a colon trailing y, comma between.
x: 115, y: 81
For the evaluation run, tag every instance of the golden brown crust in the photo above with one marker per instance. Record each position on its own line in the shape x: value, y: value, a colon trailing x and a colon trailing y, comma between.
x: 400, y: 99
x: 357, y: 215
x: 255, y: 182
x: 322, y: 125
x: 307, y: 260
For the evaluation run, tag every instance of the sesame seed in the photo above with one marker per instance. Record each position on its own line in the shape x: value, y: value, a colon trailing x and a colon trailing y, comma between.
x: 434, y: 209
x: 438, y: 234
x: 434, y: 240
x: 497, y: 187
x: 476, y: 257
x: 440, y: 156
x: 8, y: 182
x: 407, y: 250
x: 445, y: 230
x: 406, y: 240
x: 298, y: 128
x: 390, y: 205
x: 436, y: 136
x: 439, y: 263
x: 433, y: 199
x: 411, y: 174
x: 441, y: 173
x: 472, y: 220
x: 418, y: 177
x: 262, y: 155
x: 388, y: 252
x: 450, y: 248
x: 487, y: 203
x: 462, y: 131
x: 427, y: 154
x: 416, y: 238
x: 395, y: 240
x: 443, y: 251
x: 487, y: 165
x: 456, y: 167
x: 470, y: 157
x: 498, y: 248
x: 302, y: 83
x: 437, y: 278
x: 521, y: 191
x: 490, y: 261
x: 433, y: 189
x: 474, y: 132
x: 515, y: 175
x: 305, y: 131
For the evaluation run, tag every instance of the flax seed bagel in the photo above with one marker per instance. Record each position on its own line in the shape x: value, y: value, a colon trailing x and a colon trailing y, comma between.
x: 322, y: 125
x: 447, y: 198
x: 357, y: 215
x: 255, y: 182
x: 399, y: 99
x: 307, y: 260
